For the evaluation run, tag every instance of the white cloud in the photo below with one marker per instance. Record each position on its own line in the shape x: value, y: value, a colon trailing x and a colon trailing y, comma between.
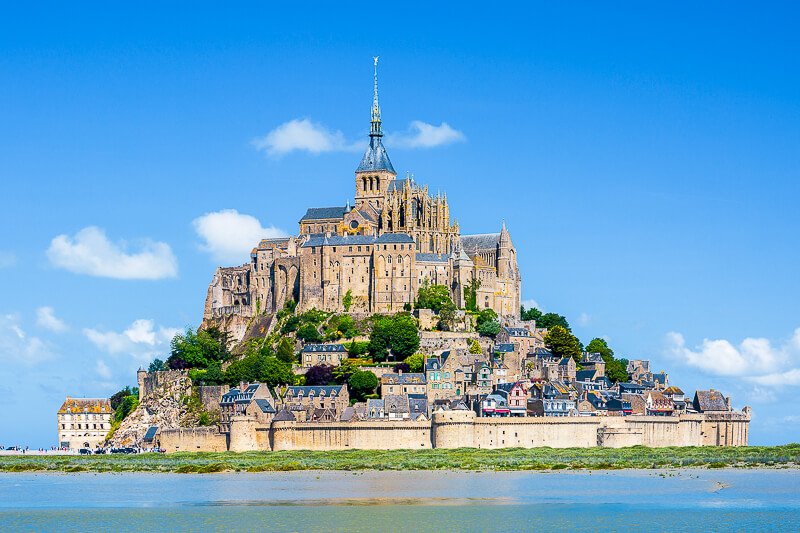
x: 229, y: 235
x: 754, y: 359
x: 531, y: 304
x: 18, y: 347
x: 423, y: 135
x: 46, y: 318
x: 90, y: 252
x: 303, y: 135
x: 7, y: 259
x: 141, y: 340
x: 102, y: 369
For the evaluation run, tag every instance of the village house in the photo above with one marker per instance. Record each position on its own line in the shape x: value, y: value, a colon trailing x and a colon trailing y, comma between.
x: 238, y: 399
x: 325, y: 354
x: 440, y: 376
x: 495, y: 404
x: 658, y: 404
x: 83, y: 422
x: 678, y: 398
x: 302, y: 400
x: 403, y: 383
x: 595, y: 362
x: 516, y: 397
x: 566, y: 369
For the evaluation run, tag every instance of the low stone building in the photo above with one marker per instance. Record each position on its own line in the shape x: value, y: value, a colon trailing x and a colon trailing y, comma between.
x: 403, y: 383
x: 322, y: 354
x: 254, y: 399
x: 83, y: 422
x: 304, y: 399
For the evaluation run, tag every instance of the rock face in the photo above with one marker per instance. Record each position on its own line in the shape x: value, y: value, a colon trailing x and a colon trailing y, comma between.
x: 161, y: 404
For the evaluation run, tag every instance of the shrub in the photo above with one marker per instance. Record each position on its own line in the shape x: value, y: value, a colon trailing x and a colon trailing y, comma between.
x: 415, y: 362
x: 309, y: 333
x: 362, y: 383
x: 319, y: 375
x: 398, y: 334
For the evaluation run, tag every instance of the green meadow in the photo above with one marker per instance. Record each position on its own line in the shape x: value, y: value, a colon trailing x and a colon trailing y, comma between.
x: 468, y: 459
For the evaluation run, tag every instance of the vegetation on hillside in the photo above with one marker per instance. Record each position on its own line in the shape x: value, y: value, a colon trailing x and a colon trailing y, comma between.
x: 393, y: 337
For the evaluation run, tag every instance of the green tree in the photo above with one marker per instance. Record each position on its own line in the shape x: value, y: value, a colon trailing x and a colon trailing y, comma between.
x: 347, y: 300
x: 362, y: 383
x: 398, y: 334
x: 563, y: 343
x: 260, y: 368
x: 415, y: 362
x: 117, y: 397
x: 125, y: 407
x: 285, y: 350
x: 471, y: 294
x: 544, y: 320
x: 432, y: 297
x: 447, y: 316
x: 357, y: 349
x: 475, y: 347
x: 197, y: 350
x: 487, y: 323
x: 343, y: 372
x: 156, y: 366
x: 309, y: 333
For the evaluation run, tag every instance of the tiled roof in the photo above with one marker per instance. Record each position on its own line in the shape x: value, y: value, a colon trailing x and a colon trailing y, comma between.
x: 396, y: 403
x: 324, y: 213
x: 337, y: 240
x: 264, y: 405
x: 284, y: 416
x: 505, y: 347
x: 375, y: 158
x: 394, y: 238
x: 410, y: 378
x: 481, y: 242
x: 150, y: 434
x: 709, y: 400
x: 86, y: 405
x: 306, y: 390
x: 432, y: 258
x: 518, y: 332
x: 324, y: 348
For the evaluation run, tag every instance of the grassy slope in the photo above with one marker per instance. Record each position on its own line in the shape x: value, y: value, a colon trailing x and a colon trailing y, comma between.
x: 461, y: 459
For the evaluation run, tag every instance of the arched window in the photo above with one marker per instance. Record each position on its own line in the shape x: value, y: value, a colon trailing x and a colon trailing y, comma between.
x: 389, y: 259
x: 399, y: 258
x: 378, y: 182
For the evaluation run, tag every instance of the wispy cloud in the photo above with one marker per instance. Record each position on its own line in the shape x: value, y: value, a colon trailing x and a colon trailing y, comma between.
x: 46, y: 318
x: 229, y: 236
x: 303, y: 135
x: 584, y: 319
x: 531, y: 304
x: 142, y: 340
x: 16, y: 346
x: 91, y: 252
x: 102, y: 369
x: 423, y: 135
x: 753, y: 359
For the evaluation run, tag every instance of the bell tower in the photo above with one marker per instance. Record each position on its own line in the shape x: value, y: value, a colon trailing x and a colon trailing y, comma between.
x: 375, y: 172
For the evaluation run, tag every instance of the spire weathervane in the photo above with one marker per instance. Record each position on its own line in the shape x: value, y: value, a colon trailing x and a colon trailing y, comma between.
x: 375, y: 123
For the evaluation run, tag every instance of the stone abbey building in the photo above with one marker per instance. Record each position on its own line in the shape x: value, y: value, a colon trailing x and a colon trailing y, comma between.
x: 378, y: 250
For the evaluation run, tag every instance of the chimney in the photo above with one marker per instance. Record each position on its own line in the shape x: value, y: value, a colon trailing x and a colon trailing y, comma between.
x: 728, y: 403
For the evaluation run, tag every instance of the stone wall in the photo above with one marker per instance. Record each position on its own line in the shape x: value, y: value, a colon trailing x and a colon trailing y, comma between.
x: 211, y: 395
x: 436, y: 342
x: 205, y: 439
x: 462, y: 429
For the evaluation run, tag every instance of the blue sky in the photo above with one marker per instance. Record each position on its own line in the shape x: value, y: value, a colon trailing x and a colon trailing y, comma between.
x: 645, y: 159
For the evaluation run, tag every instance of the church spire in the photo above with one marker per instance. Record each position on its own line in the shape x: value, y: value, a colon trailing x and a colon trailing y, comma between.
x: 375, y: 123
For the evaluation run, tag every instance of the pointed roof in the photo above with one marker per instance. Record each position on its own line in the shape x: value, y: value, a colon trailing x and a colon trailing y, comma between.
x: 375, y: 158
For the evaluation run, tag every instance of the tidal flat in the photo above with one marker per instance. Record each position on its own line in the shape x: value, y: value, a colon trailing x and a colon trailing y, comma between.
x: 727, y: 499
x: 464, y: 459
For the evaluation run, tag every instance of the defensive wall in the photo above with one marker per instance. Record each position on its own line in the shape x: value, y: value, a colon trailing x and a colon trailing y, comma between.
x: 462, y: 429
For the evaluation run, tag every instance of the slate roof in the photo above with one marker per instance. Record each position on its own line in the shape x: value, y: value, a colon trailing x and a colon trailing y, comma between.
x: 591, y: 357
x: 399, y: 184
x: 324, y: 348
x: 406, y: 378
x: 661, y: 378
x: 324, y: 213
x: 481, y: 242
x: 375, y: 158
x: 150, y: 434
x: 518, y: 332
x: 394, y: 238
x: 564, y: 361
x: 317, y: 390
x: 432, y: 258
x: 584, y: 375
x: 264, y: 405
x: 319, y: 239
x: 395, y: 403
x: 709, y: 400
x: 284, y: 416
x: 230, y: 396
x: 505, y: 347
x: 631, y: 387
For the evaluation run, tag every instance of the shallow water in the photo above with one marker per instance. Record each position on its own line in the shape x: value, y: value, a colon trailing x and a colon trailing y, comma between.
x: 676, y: 500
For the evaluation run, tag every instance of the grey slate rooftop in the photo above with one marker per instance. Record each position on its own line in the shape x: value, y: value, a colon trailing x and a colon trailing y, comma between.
x: 375, y: 158
x: 432, y: 258
x: 392, y: 238
x: 324, y: 213
x: 482, y: 242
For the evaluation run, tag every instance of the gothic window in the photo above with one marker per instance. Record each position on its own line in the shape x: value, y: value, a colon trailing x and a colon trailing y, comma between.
x: 378, y: 181
x: 399, y: 258
x: 389, y: 259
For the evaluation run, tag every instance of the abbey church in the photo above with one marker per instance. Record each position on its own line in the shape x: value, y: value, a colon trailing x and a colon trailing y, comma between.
x: 372, y: 254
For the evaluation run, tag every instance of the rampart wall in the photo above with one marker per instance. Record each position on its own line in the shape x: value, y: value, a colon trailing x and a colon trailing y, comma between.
x: 462, y: 429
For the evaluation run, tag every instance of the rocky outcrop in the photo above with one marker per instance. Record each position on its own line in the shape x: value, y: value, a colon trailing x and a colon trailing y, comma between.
x: 161, y: 405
